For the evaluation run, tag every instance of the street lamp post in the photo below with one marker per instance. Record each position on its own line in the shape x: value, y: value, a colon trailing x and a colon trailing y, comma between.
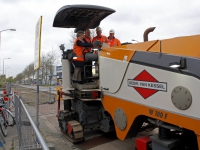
x: 3, y: 63
x: 9, y: 73
x: 5, y: 70
x: 0, y: 36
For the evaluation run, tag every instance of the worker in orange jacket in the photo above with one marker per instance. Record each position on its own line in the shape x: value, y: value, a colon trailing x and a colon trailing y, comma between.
x: 89, y: 49
x: 79, y: 48
x: 100, y: 37
x: 88, y: 38
x: 112, y: 40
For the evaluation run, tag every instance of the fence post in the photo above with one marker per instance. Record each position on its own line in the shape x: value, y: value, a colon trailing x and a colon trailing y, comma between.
x: 20, y: 123
x: 18, y: 118
x: 37, y: 100
x: 49, y: 94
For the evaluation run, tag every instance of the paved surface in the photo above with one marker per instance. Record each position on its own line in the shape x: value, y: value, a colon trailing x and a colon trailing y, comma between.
x: 41, y: 88
x: 95, y: 139
x: 9, y: 139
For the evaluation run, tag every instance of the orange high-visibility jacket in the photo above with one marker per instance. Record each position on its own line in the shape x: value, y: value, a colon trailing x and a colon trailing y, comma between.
x: 114, y: 42
x: 102, y: 39
x: 89, y: 40
x: 79, y: 51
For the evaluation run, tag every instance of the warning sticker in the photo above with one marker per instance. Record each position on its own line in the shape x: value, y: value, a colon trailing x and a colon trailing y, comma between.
x: 146, y: 85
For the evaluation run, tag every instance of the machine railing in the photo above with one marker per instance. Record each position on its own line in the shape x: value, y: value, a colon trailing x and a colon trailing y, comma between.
x: 29, y: 136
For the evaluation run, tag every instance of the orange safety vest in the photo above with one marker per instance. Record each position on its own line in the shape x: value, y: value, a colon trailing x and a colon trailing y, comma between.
x: 79, y: 51
x: 89, y: 41
x: 102, y: 39
x: 114, y: 42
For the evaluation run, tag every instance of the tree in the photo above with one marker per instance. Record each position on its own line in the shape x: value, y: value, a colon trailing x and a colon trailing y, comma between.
x: 72, y: 37
x: 19, y: 77
x: 2, y: 80
x: 10, y: 79
x: 48, y: 61
x: 42, y: 67
x: 26, y: 74
x: 31, y: 71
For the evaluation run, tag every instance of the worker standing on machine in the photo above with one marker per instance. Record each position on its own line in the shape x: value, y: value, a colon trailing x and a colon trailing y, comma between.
x: 112, y: 40
x: 79, y: 48
x: 88, y: 37
x: 89, y: 49
x: 100, y: 37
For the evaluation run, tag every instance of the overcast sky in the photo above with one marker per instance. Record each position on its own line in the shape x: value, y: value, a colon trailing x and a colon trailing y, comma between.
x: 172, y: 18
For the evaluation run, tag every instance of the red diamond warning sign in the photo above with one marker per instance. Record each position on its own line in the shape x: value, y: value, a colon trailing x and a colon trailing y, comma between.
x: 146, y: 85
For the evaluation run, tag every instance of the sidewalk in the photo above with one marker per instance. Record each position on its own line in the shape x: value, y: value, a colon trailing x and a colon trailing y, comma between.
x: 12, y: 134
x: 95, y: 139
x: 48, y: 130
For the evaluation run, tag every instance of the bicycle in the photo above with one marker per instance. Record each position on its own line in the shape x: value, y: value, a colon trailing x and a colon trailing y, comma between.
x: 6, y: 118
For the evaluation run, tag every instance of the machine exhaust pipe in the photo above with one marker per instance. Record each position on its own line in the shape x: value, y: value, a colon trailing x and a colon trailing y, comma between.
x: 146, y: 33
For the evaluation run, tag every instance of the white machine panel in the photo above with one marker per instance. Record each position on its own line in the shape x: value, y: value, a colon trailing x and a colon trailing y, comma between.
x: 111, y: 73
x: 153, y: 87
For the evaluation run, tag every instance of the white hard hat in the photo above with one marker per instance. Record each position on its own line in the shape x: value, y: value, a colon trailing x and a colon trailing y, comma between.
x: 98, y: 29
x: 112, y: 31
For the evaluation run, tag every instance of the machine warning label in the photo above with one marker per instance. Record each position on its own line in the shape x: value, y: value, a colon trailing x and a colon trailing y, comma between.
x: 146, y: 85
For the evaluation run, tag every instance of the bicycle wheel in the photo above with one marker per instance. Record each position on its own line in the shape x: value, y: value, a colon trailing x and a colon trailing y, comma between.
x: 3, y: 126
x: 10, y: 118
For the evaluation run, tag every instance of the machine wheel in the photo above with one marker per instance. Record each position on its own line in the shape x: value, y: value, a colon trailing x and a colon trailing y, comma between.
x: 74, y: 132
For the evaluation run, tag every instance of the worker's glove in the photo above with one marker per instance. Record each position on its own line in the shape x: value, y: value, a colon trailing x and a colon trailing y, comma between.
x: 97, y: 43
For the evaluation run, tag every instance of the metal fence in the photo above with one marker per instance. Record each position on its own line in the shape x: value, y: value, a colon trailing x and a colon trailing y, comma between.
x: 47, y: 100
x: 29, y: 136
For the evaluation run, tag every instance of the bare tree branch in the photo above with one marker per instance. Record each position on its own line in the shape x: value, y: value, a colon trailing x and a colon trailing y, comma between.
x: 72, y: 37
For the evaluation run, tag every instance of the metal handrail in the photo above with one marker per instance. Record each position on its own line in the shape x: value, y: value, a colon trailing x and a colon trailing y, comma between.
x: 40, y: 139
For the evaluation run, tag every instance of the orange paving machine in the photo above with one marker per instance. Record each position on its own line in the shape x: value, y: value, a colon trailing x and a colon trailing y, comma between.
x: 132, y: 87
